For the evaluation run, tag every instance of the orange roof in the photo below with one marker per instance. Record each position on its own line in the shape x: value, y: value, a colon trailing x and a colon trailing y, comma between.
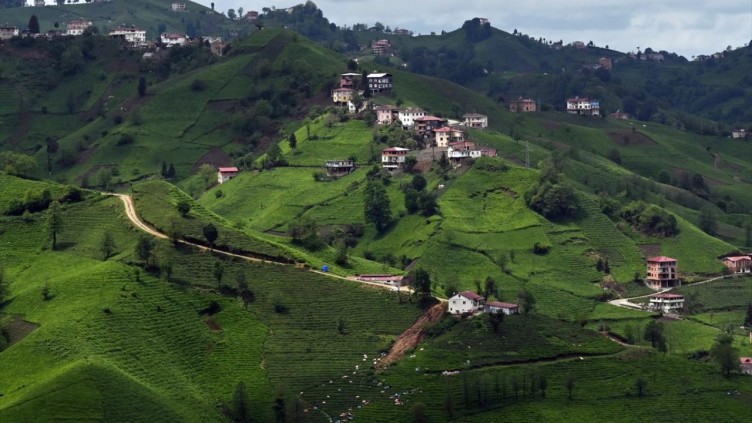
x: 737, y: 258
x: 228, y: 169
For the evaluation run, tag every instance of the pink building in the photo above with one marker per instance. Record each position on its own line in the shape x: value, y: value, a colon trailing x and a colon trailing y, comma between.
x: 224, y: 174
x: 662, y: 273
x: 738, y: 264
x: 385, y: 115
x: 523, y: 105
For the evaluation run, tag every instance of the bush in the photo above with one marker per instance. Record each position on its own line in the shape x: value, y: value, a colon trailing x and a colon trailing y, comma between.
x: 541, y: 249
x: 125, y: 139
x: 198, y: 85
x: 553, y: 200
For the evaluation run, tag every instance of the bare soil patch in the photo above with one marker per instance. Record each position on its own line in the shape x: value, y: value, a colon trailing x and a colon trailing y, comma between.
x: 628, y: 137
x: 650, y: 250
x: 215, y: 157
x: 213, y: 325
x: 410, y: 338
x: 18, y: 328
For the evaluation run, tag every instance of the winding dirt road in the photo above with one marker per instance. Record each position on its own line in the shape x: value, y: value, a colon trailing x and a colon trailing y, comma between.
x: 627, y: 303
x: 130, y: 211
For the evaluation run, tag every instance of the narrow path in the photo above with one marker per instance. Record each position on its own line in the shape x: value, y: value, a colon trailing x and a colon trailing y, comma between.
x: 130, y: 211
x: 626, y: 302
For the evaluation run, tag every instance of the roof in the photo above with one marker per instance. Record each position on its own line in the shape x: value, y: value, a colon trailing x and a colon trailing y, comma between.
x: 472, y: 115
x: 343, y: 89
x: 395, y: 149
x: 661, y: 259
x: 228, y: 169
x: 379, y: 75
x: 499, y: 304
x: 737, y: 258
x: 380, y: 277
x: 745, y: 360
x: 429, y: 118
x: 668, y: 296
x: 444, y: 129
x: 462, y: 144
x: 387, y: 108
x: 350, y: 74
x: 470, y: 295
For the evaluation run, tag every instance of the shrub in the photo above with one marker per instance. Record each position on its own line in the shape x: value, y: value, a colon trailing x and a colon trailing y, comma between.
x: 125, y: 139
x: 541, y: 249
x: 198, y: 85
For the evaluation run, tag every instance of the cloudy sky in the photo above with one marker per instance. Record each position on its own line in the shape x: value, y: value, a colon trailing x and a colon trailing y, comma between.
x: 687, y: 27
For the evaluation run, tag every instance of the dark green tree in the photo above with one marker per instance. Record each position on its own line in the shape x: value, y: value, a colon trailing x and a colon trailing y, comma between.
x: 107, y: 245
x: 654, y: 334
x: 144, y: 248
x: 183, y: 207
x: 293, y: 140
x: 725, y: 355
x: 33, y: 25
x: 708, y: 222
x: 219, y: 271
x: 241, y: 408
x: 641, y: 385
x: 52, y: 148
x: 419, y: 412
x: 527, y: 301
x: 569, y: 385
x: 141, y: 86
x: 495, y: 320
x: 421, y: 282
x: 748, y: 318
x: 377, y: 208
x: 3, y: 288
x: 211, y: 234
x: 54, y: 222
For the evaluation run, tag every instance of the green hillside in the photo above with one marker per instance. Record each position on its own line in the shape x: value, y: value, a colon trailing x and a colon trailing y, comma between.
x: 112, y: 324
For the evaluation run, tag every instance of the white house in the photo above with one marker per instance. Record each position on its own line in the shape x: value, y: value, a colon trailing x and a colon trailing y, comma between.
x: 739, y: 134
x: 7, y: 32
x: 179, y: 7
x: 379, y: 82
x: 224, y: 174
x: 463, y: 150
x: 583, y: 106
x: 169, y: 39
x: 393, y: 157
x: 466, y: 302
x: 475, y: 120
x: 407, y: 116
x: 136, y: 37
x: 499, y: 307
x: 77, y: 27
x: 666, y: 303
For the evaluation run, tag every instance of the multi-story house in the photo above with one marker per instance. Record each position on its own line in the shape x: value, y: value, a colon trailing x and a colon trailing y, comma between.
x: 475, y: 120
x: 380, y: 82
x: 77, y: 27
x: 136, y: 37
x: 522, y: 105
x: 393, y: 158
x: 662, y: 273
x: 583, y: 106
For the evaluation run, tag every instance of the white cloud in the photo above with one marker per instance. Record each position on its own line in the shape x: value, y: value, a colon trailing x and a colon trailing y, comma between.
x: 687, y: 27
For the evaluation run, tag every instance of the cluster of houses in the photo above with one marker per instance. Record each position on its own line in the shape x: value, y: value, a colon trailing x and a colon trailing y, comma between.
x: 74, y: 28
x: 468, y: 302
x: 583, y: 106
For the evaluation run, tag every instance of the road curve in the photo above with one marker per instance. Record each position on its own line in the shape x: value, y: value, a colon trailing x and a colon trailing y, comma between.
x: 130, y: 211
x: 626, y: 302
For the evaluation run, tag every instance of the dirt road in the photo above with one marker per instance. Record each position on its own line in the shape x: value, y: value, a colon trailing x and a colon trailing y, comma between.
x: 414, y: 334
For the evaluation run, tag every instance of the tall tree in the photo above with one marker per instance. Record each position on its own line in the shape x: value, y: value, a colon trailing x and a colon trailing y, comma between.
x: 490, y: 288
x: 654, y: 334
x: 52, y: 148
x: 3, y: 289
x: 641, y: 386
x: 240, y: 405
x: 231, y: 14
x: 33, y: 24
x: 377, y: 208
x: 527, y: 301
x: 748, y: 318
x: 219, y: 271
x: 708, y: 221
x: 144, y: 248
x: 141, y: 86
x: 107, y: 245
x: 293, y: 141
x: 725, y: 355
x: 54, y: 222
x: 211, y: 234
x: 421, y: 281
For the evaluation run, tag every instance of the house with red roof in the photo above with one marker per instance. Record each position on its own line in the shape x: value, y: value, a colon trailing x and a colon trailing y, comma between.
x: 224, y: 174
x: 662, y: 272
x: 466, y: 302
x: 745, y: 364
x: 666, y: 302
x: 500, y: 307
x: 523, y: 105
x: 738, y: 264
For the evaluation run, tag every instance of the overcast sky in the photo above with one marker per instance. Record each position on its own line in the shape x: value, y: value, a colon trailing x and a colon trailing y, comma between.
x: 687, y: 27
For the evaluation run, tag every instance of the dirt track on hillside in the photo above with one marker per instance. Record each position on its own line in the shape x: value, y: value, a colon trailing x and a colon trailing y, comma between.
x: 414, y: 334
